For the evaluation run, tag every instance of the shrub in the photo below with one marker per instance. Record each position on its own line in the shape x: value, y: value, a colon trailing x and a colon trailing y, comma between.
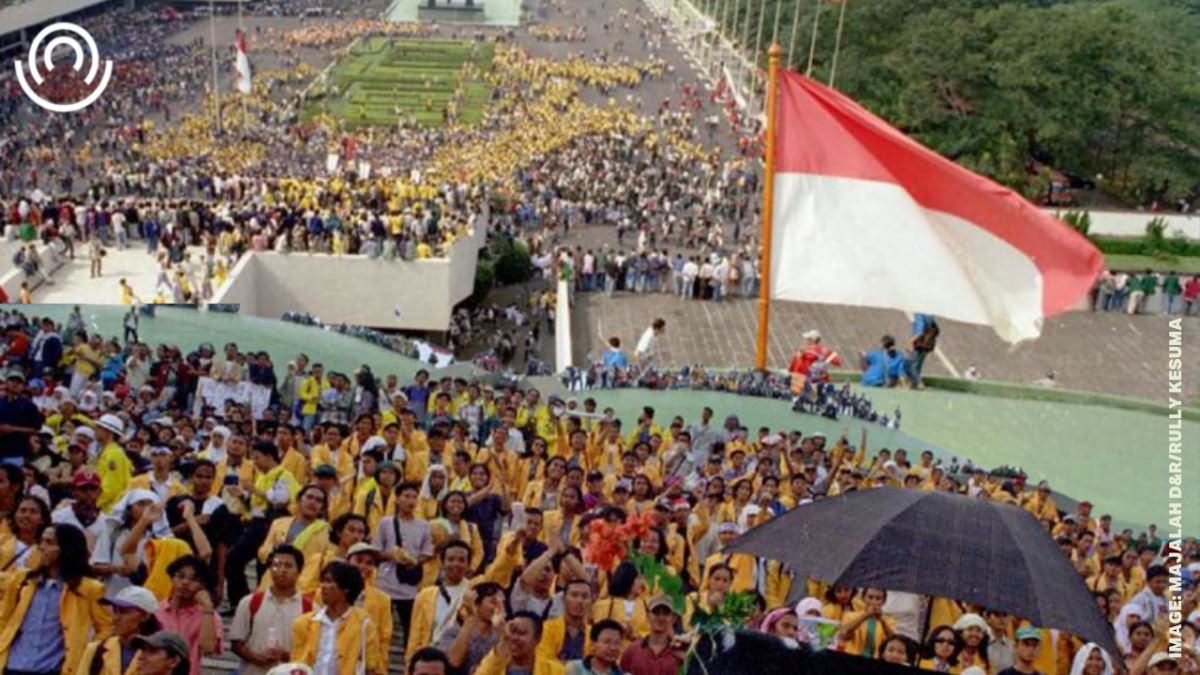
x: 514, y: 266
x: 1080, y: 221
x: 485, y: 279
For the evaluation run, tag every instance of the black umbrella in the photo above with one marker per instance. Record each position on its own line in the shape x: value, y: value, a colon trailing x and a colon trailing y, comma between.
x: 939, y: 544
x: 746, y: 652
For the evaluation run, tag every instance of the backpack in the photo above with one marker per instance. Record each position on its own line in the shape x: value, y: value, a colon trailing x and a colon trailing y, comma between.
x: 256, y: 601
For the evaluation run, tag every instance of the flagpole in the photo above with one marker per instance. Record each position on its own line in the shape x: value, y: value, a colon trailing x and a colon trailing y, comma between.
x: 837, y: 43
x: 242, y: 29
x: 764, y: 284
x: 795, y: 34
x: 762, y: 13
x: 212, y: 25
x: 812, y: 47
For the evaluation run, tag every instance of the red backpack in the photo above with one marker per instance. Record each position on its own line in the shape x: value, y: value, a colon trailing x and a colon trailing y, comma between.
x: 256, y: 601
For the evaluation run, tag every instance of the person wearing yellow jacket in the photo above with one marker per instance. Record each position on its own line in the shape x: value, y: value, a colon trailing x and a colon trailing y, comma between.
x: 432, y: 605
x: 58, y: 602
x: 114, y: 466
x: 377, y: 603
x: 355, y: 638
x: 306, y: 531
x: 133, y: 615
x: 518, y: 649
x: 577, y: 608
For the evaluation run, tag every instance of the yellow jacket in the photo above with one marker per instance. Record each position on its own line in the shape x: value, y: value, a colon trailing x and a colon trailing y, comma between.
x: 354, y: 631
x: 80, y: 611
x: 554, y: 633
x: 321, y: 454
x: 115, y: 471
x: 614, y: 608
x: 111, y: 663
x: 493, y: 664
x: 312, y: 544
x: 142, y: 482
x: 310, y: 394
x: 425, y: 605
x: 160, y: 553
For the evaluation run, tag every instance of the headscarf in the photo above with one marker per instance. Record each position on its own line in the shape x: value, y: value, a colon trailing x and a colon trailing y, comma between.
x: 804, y: 628
x: 213, y: 453
x: 1081, y: 658
x: 772, y: 617
x: 425, y: 491
x: 967, y: 620
x: 1121, y: 627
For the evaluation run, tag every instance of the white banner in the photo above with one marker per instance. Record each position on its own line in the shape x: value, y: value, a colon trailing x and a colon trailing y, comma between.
x: 215, y: 394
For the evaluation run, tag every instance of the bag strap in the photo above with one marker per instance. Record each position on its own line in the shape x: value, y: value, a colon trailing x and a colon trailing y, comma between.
x: 97, y: 665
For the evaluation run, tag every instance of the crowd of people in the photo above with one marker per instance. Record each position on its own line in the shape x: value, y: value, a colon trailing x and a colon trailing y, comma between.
x: 464, y: 520
x: 1169, y: 293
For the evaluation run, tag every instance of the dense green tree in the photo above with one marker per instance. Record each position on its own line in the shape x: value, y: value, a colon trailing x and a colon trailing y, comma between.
x: 1098, y: 87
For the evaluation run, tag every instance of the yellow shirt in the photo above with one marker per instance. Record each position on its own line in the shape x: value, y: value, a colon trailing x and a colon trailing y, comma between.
x: 115, y: 471
x: 858, y: 641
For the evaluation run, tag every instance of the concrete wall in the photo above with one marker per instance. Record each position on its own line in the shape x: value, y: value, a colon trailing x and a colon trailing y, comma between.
x: 355, y: 289
x: 562, y: 332
x: 1133, y: 223
x: 12, y: 277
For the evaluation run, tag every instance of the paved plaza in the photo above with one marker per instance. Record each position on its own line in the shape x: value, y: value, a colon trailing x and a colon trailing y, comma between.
x: 1108, y: 353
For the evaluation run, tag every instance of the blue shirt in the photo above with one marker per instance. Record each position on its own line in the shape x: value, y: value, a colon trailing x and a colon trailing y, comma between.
x: 920, y: 322
x: 615, y: 358
x: 881, y: 367
x: 39, y: 645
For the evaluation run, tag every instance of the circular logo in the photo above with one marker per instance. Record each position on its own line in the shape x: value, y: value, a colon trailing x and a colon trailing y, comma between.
x: 74, y: 45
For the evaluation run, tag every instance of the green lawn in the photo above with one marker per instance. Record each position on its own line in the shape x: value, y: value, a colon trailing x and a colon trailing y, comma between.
x: 1114, y: 458
x: 418, y: 76
x: 1144, y: 262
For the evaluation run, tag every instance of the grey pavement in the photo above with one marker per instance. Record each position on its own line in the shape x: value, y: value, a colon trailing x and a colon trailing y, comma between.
x: 1108, y: 353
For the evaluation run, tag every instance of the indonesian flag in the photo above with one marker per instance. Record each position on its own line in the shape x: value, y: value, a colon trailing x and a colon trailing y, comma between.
x: 864, y: 215
x: 243, y: 64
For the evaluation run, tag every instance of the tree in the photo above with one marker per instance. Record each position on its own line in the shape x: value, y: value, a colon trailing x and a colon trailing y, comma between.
x: 1094, y: 87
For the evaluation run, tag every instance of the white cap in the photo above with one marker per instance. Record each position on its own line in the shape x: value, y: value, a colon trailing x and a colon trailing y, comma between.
x: 135, y: 597
x: 812, y: 334
x: 1160, y: 657
x: 291, y: 669
x: 112, y: 423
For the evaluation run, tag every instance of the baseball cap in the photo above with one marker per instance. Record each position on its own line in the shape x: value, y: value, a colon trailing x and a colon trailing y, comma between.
x: 166, y: 640
x: 134, y: 597
x: 85, y: 477
x: 1028, y: 633
x: 1160, y: 657
x: 661, y: 600
x: 15, y: 374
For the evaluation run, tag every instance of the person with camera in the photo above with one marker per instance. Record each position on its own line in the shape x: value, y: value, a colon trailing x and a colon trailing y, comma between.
x: 407, y: 544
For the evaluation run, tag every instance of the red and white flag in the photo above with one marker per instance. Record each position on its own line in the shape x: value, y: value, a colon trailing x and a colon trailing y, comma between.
x: 243, y: 64
x: 864, y: 215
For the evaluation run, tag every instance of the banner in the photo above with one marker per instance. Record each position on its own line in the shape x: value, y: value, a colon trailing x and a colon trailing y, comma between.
x: 215, y: 394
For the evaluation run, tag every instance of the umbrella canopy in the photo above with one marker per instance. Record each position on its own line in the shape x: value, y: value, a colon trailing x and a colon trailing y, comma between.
x: 939, y: 544
x: 746, y: 652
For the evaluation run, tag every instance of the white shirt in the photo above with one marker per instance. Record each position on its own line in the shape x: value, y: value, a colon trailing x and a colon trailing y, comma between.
x: 327, y: 663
